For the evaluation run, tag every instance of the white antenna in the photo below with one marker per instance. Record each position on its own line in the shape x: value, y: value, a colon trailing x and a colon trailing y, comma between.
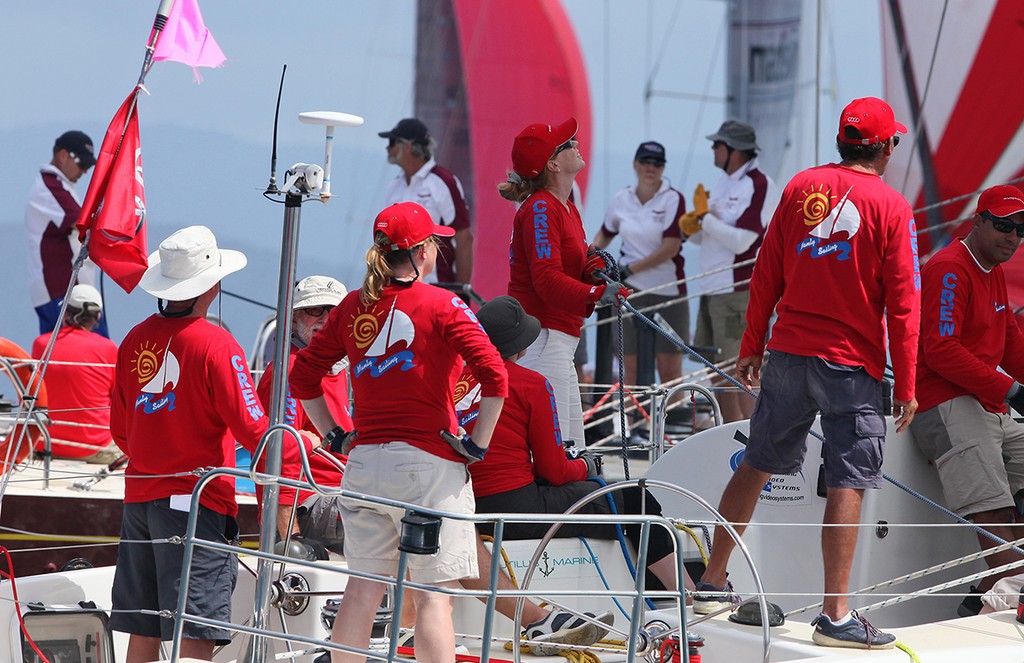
x: 329, y: 119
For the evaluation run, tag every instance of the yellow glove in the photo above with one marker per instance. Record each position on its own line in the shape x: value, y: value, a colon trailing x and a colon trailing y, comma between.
x: 700, y: 200
x: 690, y: 223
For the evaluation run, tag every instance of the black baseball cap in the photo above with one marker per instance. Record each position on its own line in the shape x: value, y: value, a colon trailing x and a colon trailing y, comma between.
x: 79, y: 146
x: 409, y: 129
x: 650, y: 150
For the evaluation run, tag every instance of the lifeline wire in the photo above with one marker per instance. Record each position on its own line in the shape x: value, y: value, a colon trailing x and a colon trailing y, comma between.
x: 910, y: 491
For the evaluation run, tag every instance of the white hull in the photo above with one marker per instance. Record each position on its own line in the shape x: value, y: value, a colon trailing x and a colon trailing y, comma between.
x: 786, y: 555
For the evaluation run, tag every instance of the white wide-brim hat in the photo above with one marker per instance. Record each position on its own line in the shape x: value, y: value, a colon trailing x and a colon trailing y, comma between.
x: 187, y: 264
x: 318, y: 291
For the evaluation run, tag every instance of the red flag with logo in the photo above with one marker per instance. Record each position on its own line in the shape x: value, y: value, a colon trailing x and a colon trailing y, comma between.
x: 115, y: 205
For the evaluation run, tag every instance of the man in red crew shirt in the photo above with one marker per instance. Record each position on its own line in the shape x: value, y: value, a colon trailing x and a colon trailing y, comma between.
x: 182, y: 397
x: 969, y: 332
x: 79, y: 381
x: 311, y: 517
x: 839, y: 267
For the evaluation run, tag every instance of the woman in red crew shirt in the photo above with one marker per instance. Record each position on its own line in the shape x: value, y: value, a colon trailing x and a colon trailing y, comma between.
x: 550, y: 272
x: 406, y: 342
x: 526, y: 469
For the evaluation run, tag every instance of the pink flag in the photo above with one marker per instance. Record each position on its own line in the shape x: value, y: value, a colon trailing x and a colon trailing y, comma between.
x: 185, y: 39
x: 115, y: 205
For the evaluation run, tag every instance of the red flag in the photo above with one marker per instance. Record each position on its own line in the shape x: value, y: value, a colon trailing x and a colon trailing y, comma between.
x: 115, y: 205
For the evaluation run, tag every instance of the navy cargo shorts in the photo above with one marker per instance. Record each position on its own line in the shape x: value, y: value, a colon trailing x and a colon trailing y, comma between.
x: 794, y: 389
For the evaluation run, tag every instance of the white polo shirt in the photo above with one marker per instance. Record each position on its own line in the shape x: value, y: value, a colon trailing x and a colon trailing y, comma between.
x: 643, y: 226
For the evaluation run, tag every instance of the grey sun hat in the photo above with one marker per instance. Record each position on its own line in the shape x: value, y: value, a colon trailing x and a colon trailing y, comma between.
x: 187, y: 264
x: 510, y: 328
x: 318, y: 291
x: 737, y: 135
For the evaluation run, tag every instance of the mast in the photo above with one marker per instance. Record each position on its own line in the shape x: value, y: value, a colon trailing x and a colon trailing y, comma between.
x: 762, y: 61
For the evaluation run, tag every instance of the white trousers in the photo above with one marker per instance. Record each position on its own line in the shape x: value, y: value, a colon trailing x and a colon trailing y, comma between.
x: 551, y: 355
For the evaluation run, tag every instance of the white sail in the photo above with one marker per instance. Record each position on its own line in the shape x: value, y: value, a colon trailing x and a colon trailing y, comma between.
x: 844, y: 216
x: 397, y: 327
x: 170, y: 371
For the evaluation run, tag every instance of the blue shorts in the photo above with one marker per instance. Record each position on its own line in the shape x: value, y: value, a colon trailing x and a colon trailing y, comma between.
x: 148, y: 574
x: 794, y: 389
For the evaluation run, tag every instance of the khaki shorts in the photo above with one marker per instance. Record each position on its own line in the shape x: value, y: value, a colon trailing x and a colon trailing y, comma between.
x: 979, y: 454
x: 677, y: 316
x: 400, y: 471
x: 721, y: 321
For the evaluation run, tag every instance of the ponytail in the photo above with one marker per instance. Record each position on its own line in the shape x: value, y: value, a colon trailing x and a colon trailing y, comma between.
x: 380, y: 266
x: 378, y: 270
x: 517, y: 189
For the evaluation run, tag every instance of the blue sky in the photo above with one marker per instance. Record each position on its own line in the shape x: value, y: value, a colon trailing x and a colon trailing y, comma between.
x: 206, y: 147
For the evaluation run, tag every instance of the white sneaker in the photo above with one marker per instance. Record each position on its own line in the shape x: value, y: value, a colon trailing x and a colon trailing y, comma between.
x: 567, y: 629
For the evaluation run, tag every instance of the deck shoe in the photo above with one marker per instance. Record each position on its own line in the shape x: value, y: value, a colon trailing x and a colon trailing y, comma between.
x: 567, y: 629
x: 707, y: 598
x: 971, y: 605
x: 856, y: 633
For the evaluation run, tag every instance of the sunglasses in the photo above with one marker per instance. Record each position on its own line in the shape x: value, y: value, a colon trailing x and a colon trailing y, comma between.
x: 657, y: 163
x: 717, y: 144
x: 1003, y: 225
x: 316, y: 311
x: 895, y: 140
x: 567, y: 145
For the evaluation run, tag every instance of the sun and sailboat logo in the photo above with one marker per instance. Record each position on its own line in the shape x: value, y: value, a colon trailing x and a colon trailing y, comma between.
x: 826, y: 216
x: 379, y: 338
x: 158, y: 372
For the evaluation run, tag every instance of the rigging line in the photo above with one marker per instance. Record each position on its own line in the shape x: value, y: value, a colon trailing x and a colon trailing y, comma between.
x: 907, y: 489
x: 817, y: 86
x: 715, y: 50
x: 924, y: 96
x: 921, y: 136
x: 247, y: 300
x: 654, y: 68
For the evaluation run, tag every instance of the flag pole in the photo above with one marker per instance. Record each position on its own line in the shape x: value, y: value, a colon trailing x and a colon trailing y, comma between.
x: 159, y: 22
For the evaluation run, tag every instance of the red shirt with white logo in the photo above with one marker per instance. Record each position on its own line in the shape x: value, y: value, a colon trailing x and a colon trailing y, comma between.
x: 838, y: 265
x: 967, y: 330
x: 527, y: 442
x: 78, y: 391
x: 546, y: 260
x: 182, y: 396
x: 404, y: 356
x: 325, y: 472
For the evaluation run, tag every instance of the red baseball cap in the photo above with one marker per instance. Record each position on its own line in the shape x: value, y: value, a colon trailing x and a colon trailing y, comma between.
x: 406, y: 225
x: 1001, y: 201
x: 870, y: 120
x: 537, y: 143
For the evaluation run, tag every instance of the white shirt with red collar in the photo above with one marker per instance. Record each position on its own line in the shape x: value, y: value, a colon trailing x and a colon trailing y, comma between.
x: 440, y: 193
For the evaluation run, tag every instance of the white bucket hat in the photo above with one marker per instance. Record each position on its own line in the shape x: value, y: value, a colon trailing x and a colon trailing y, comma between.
x: 318, y: 291
x: 83, y: 295
x: 188, y: 264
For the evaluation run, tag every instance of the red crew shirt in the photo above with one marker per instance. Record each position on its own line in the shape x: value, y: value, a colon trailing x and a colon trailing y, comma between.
x: 967, y: 330
x: 182, y: 396
x: 527, y: 442
x: 839, y: 262
x: 404, y: 354
x: 79, y: 393
x: 546, y: 261
x: 324, y: 471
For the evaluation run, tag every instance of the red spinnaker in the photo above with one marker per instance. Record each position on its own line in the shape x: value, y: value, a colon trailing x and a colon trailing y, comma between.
x: 522, y: 64
x: 115, y: 205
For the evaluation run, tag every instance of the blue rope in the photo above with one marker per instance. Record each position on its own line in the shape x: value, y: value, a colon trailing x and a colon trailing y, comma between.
x: 603, y: 580
x: 621, y: 535
x: 693, y: 353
